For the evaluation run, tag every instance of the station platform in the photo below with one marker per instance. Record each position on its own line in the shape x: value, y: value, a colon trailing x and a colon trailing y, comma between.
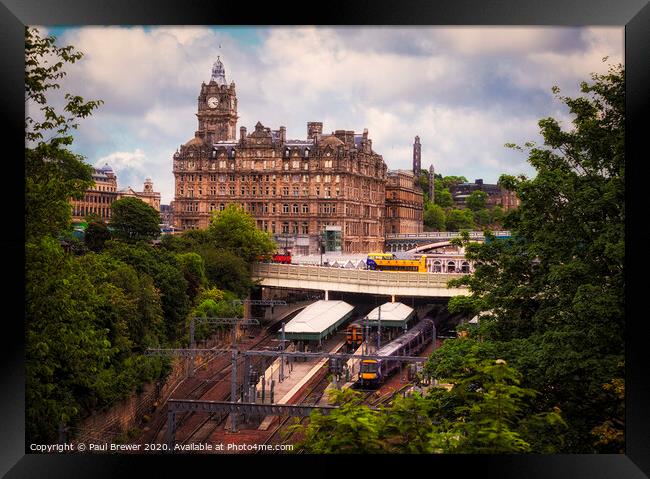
x: 296, y: 375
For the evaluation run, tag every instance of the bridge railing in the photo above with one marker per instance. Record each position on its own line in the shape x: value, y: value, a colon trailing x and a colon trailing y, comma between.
x: 352, y: 276
x: 442, y: 234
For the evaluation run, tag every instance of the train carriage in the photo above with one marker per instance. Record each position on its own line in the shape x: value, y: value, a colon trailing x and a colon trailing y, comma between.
x: 375, y: 371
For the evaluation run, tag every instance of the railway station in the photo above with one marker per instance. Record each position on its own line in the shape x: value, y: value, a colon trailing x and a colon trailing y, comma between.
x: 391, y: 315
x: 317, y: 321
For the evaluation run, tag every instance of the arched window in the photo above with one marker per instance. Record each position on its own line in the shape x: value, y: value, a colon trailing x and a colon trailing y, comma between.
x: 437, y: 267
x: 451, y: 267
x: 464, y: 267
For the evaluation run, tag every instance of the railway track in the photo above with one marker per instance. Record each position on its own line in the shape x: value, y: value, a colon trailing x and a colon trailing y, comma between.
x: 311, y: 396
x: 218, y: 375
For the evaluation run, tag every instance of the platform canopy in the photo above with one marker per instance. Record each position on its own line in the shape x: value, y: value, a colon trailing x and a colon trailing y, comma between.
x: 317, y: 320
x: 393, y: 315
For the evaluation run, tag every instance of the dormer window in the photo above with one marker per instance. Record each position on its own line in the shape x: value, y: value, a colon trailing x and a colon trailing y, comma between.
x: 286, y: 153
x: 306, y: 153
x: 232, y: 154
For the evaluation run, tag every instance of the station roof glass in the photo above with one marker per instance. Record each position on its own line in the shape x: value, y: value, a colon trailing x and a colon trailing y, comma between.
x: 393, y: 315
x: 317, y: 320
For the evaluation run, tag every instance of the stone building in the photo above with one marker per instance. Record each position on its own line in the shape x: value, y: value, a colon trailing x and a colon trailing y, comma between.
x: 99, y: 198
x: 497, y: 196
x: 404, y: 203
x: 302, y: 191
x: 148, y: 195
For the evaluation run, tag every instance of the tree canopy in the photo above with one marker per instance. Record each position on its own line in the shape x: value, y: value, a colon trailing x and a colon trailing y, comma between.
x: 134, y: 220
x: 554, y: 292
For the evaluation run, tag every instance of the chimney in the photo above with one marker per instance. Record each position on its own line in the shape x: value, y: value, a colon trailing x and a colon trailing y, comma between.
x: 314, y: 129
x: 242, y: 133
x: 283, y: 134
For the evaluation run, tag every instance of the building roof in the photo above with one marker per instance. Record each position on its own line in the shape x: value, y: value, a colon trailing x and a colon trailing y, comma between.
x: 331, y: 140
x: 392, y: 315
x: 317, y: 320
x: 194, y: 141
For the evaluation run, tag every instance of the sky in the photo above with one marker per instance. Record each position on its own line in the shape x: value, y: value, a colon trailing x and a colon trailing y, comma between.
x: 466, y: 91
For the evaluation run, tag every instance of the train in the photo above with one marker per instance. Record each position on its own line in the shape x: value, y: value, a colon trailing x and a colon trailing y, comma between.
x: 354, y: 335
x: 374, y: 372
x: 388, y: 262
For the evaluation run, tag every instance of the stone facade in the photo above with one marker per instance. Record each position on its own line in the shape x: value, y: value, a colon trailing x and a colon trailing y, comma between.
x: 295, y: 189
x: 149, y: 196
x: 404, y: 203
x: 497, y: 196
x: 99, y: 198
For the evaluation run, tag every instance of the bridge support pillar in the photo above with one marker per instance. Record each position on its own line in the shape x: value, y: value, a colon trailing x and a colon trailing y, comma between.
x: 392, y: 298
x: 327, y: 295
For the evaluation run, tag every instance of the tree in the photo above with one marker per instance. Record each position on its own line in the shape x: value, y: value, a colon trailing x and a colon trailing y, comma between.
x: 97, y: 233
x: 352, y: 429
x: 496, y: 215
x: 134, y: 220
x: 476, y: 200
x: 434, y: 217
x: 459, y: 219
x: 443, y: 197
x: 234, y: 229
x: 448, y: 181
x: 53, y: 174
x: 481, y: 217
x: 194, y: 272
x: 555, y: 290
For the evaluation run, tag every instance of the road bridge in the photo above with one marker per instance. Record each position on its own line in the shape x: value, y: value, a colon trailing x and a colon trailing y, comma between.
x: 326, y: 279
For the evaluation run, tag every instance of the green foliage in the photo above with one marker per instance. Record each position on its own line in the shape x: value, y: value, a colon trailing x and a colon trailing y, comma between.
x: 481, y: 217
x: 80, y: 330
x: 193, y: 269
x: 460, y: 219
x: 134, y: 220
x: 443, y: 197
x: 448, y: 181
x: 476, y: 200
x: 88, y: 317
x: 556, y: 288
x: 96, y: 235
x: 44, y: 66
x: 352, y: 429
x: 228, y: 247
x: 434, y: 217
x: 214, y: 303
x: 164, y: 268
x: 234, y: 230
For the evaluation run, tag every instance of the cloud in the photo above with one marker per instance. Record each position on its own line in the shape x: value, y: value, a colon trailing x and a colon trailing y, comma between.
x: 464, y: 90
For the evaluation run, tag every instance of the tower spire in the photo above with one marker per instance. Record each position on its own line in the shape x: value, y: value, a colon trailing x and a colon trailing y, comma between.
x: 417, y: 158
x: 218, y: 72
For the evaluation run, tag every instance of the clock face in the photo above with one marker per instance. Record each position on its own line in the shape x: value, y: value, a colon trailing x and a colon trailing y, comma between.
x: 213, y: 102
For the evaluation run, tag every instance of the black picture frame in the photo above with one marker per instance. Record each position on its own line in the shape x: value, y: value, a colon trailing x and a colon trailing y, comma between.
x: 633, y: 14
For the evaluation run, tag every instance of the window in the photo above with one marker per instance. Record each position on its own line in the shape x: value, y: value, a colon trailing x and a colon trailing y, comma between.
x: 294, y: 208
x: 295, y: 191
x: 285, y: 208
x: 305, y: 228
x: 305, y: 208
x: 285, y: 191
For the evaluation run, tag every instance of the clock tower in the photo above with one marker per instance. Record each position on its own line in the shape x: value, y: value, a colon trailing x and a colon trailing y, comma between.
x: 217, y: 108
